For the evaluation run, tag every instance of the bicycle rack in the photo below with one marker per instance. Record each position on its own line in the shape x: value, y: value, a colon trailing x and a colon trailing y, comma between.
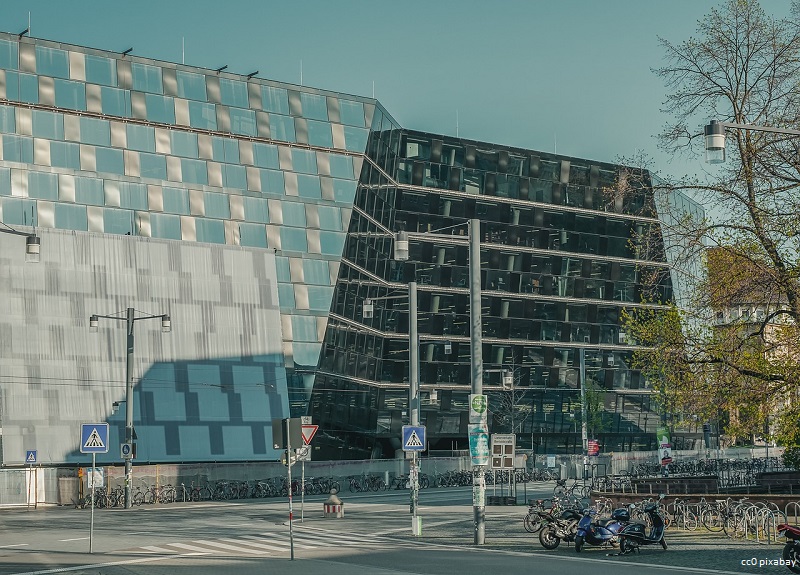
x: 795, y: 506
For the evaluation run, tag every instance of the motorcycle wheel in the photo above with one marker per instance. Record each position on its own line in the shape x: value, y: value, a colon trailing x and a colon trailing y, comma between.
x: 791, y: 552
x: 548, y: 538
x: 578, y: 543
x: 626, y: 546
x: 664, y: 543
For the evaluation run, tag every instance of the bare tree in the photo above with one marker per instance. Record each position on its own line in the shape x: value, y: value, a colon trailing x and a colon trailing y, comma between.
x: 742, y: 66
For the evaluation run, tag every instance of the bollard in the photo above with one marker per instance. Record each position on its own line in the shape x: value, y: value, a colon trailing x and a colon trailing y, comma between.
x: 333, y: 506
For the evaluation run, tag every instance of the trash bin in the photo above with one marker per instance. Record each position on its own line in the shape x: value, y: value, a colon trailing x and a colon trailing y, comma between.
x: 68, y: 490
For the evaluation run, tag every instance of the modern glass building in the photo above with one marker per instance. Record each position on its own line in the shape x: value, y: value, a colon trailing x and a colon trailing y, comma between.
x: 260, y: 215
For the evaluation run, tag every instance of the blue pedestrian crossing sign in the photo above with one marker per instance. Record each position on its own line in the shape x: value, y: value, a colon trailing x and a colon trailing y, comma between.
x: 30, y: 456
x: 94, y: 438
x: 413, y: 438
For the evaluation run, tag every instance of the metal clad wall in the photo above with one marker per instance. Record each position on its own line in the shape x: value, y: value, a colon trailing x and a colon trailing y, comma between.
x: 206, y: 391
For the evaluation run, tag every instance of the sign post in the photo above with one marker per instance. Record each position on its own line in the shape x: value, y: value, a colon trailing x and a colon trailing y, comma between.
x: 503, y: 447
x: 414, y: 441
x: 304, y: 454
x: 94, y: 440
x: 30, y: 460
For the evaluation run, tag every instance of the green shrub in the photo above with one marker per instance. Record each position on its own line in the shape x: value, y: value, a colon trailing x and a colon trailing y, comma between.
x: 791, y: 457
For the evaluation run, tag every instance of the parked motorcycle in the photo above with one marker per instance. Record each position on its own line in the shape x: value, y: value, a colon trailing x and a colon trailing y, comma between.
x: 563, y: 527
x: 633, y: 535
x: 791, y: 551
x: 595, y: 531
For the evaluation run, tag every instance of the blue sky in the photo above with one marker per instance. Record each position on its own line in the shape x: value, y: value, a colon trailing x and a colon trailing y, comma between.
x: 538, y: 74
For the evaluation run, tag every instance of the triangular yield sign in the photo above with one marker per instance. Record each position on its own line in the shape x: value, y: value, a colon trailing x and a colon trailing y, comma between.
x: 309, y: 431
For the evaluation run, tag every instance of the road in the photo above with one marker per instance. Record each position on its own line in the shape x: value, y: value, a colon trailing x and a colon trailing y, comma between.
x: 374, y: 537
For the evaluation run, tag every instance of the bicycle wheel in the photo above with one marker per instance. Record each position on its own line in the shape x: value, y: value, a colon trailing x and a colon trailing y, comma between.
x: 138, y: 498
x: 712, y: 520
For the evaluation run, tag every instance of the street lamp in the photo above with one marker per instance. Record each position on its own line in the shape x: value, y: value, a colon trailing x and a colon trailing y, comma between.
x: 32, y: 242
x: 401, y: 253
x: 130, y: 318
x: 714, y: 133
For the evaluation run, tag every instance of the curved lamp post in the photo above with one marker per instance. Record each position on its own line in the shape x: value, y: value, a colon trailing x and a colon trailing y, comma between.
x: 714, y: 133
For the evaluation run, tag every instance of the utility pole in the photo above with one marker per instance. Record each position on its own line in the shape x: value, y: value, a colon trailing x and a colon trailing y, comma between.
x: 476, y: 360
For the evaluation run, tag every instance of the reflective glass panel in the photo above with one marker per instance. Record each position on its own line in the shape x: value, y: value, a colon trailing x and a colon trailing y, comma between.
x: 304, y: 161
x: 52, y: 62
x: 341, y: 166
x: 272, y: 182
x: 95, y: 131
x: 315, y: 107
x: 281, y: 128
x: 160, y: 108
x: 9, y: 55
x: 217, y: 205
x: 194, y: 171
x: 109, y: 160
x: 316, y: 272
x: 165, y: 226
x: 234, y: 177
x: 272, y: 99
x: 304, y: 328
x: 294, y: 214
x: 152, y: 166
x: 332, y: 243
x: 210, y: 231
x: 65, y: 155
x: 70, y: 94
x: 264, y: 155
x: 141, y: 138
x: 344, y: 190
x: 330, y: 218
x: 101, y: 70
x: 233, y: 92
x: 243, y: 121
x: 146, y: 78
x: 183, y: 144
x: 132, y: 195
x: 5, y: 182
x: 282, y: 268
x: 319, y: 134
x: 8, y: 121
x: 22, y: 87
x: 115, y: 102
x: 18, y: 149
x: 294, y: 239
x: 176, y: 200
x: 252, y: 235
x: 71, y: 217
x: 47, y: 125
x: 351, y: 113
x: 256, y: 210
x: 202, y: 115
x: 89, y: 191
x: 20, y: 212
x: 308, y: 186
x: 117, y: 221
x: 225, y: 150
x: 355, y: 139
x: 319, y: 298
x: 191, y: 86
x: 42, y: 186
x: 286, y: 295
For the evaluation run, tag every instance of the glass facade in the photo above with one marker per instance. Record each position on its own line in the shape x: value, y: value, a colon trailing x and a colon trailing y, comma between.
x: 97, y: 143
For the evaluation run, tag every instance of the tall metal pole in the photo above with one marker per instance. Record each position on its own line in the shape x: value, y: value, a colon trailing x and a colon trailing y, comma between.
x: 584, y: 423
x: 129, y: 409
x: 413, y: 398
x: 289, y: 477
x: 476, y: 360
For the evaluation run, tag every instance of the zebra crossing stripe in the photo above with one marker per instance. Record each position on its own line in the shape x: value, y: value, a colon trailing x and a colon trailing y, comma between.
x: 326, y: 538
x: 232, y: 547
x: 154, y: 549
x: 273, y: 541
x: 255, y: 544
x: 191, y: 548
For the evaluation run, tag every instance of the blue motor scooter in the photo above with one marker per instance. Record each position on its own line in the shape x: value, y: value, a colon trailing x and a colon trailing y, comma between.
x: 594, y: 531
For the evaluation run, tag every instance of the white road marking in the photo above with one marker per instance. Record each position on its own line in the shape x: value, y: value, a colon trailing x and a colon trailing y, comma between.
x: 110, y: 564
x: 155, y: 549
x: 255, y: 544
x: 76, y: 539
x: 14, y: 545
x: 203, y: 550
x: 231, y: 547
x: 283, y: 544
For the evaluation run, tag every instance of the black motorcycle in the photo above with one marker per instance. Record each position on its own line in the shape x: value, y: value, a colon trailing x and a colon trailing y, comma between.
x: 633, y: 535
x: 791, y: 551
x: 562, y: 527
